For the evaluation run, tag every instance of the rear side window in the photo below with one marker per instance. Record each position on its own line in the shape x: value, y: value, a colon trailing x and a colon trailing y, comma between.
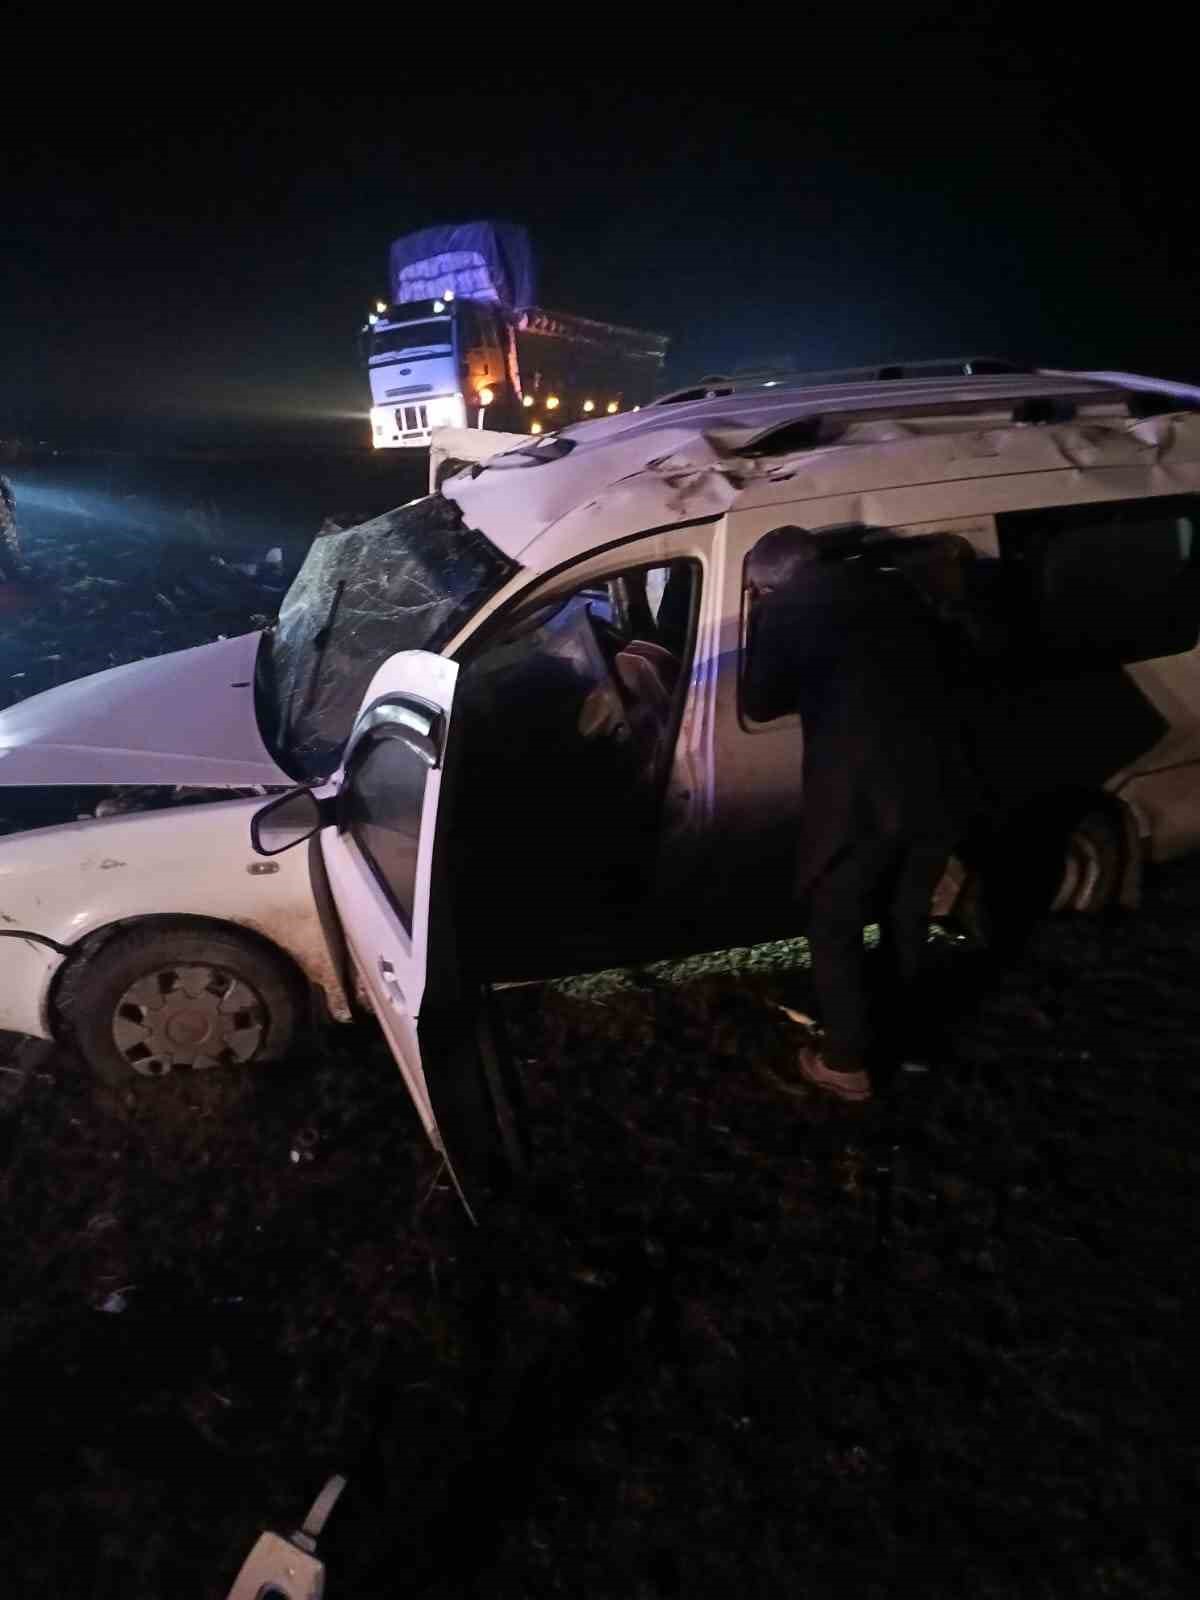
x: 1118, y: 581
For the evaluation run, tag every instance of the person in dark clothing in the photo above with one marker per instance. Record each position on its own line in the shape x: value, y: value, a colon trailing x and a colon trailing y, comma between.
x: 855, y: 650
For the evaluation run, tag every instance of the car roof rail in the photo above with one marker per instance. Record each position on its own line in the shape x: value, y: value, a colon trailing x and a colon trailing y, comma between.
x: 718, y: 385
x: 1051, y: 403
x: 1146, y: 397
x: 710, y: 388
x: 1058, y: 396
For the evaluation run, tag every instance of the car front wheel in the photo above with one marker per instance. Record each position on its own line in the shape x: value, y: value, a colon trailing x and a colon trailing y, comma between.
x: 175, y: 998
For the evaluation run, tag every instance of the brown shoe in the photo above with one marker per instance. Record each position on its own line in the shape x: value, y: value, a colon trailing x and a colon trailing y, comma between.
x: 814, y: 1069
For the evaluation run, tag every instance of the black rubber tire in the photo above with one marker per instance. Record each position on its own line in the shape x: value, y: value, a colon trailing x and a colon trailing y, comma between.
x: 1094, y: 858
x: 1081, y: 875
x: 93, y: 985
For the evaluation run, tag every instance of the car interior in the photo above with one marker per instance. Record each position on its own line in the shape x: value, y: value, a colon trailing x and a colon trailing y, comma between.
x: 567, y: 726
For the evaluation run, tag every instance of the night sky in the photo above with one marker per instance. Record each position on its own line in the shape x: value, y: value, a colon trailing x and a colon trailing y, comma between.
x: 195, y: 261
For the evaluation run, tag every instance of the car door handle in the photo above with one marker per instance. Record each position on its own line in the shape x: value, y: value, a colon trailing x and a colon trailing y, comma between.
x: 387, y: 975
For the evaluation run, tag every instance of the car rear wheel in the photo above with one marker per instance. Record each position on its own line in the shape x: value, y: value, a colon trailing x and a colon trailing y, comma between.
x: 1092, y: 865
x: 156, y: 1001
x: 1047, y: 867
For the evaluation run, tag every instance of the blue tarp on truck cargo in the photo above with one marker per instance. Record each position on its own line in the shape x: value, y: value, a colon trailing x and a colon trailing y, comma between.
x: 477, y: 260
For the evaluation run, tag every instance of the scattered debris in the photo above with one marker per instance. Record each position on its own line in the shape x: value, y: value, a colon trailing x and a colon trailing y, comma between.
x: 289, y: 1567
x: 801, y: 1018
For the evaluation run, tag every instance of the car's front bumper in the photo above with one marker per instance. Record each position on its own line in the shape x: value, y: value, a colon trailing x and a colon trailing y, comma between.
x: 27, y: 971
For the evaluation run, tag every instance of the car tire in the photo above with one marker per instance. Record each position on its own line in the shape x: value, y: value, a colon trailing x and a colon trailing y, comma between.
x: 174, y: 997
x: 1094, y: 860
x: 1088, y: 881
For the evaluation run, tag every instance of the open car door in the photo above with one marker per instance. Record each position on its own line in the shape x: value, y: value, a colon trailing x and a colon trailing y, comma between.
x: 385, y: 856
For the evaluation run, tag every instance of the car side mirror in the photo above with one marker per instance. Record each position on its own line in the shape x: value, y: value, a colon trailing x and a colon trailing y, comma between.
x: 287, y: 821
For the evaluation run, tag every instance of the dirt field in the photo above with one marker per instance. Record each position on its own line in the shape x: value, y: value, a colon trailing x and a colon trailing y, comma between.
x: 737, y: 1342
x: 740, y: 1341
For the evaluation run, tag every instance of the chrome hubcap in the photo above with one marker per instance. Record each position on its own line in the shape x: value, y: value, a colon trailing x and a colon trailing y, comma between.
x: 193, y: 1017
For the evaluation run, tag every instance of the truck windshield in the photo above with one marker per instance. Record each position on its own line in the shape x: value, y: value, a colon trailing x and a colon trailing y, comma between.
x: 405, y: 581
x: 413, y: 336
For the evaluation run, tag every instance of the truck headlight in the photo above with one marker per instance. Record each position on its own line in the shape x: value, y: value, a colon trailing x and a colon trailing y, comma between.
x: 446, y: 411
x: 383, y: 425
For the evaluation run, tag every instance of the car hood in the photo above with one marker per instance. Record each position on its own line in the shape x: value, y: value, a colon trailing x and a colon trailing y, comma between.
x: 184, y: 718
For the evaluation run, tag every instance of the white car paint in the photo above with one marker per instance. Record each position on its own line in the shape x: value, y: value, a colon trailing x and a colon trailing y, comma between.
x: 390, y: 959
x: 901, y: 457
x: 669, y: 461
x: 66, y: 882
x: 669, y: 481
x: 183, y: 718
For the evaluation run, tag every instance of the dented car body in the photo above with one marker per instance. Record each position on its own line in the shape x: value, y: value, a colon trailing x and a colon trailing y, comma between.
x: 556, y: 770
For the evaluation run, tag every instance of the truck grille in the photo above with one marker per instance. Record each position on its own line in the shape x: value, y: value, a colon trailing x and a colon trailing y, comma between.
x: 411, y: 419
x: 408, y: 388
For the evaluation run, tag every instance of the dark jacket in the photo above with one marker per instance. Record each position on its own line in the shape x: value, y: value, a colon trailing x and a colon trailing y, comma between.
x: 856, y: 652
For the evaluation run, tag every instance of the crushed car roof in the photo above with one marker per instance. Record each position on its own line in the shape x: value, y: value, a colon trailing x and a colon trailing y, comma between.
x: 697, y: 454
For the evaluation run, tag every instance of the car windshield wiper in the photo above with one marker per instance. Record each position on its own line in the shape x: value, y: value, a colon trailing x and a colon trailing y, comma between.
x: 320, y: 642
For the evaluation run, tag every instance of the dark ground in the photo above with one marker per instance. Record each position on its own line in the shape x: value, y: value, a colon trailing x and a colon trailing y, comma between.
x: 740, y: 1342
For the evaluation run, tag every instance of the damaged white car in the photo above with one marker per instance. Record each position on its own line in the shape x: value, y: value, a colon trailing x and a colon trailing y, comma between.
x: 548, y: 768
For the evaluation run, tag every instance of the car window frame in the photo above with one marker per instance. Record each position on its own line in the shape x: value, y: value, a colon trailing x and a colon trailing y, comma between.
x: 378, y: 732
x: 601, y: 561
x: 537, y: 598
x: 526, y: 585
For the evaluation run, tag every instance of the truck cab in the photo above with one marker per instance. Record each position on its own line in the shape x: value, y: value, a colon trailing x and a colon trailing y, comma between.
x: 432, y: 364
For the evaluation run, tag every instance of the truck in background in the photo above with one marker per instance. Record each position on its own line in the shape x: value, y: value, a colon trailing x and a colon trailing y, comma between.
x: 460, y: 343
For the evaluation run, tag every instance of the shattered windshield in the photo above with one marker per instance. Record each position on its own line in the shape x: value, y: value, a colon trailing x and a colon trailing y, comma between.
x: 405, y: 581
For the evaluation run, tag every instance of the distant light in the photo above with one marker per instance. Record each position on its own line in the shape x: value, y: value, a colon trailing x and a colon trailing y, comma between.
x: 527, y: 401
x: 771, y: 383
x: 637, y: 408
x: 372, y: 319
x: 613, y: 407
x: 381, y: 306
x: 589, y: 405
x: 551, y: 402
x: 535, y: 427
x: 438, y: 306
x: 486, y: 396
x: 447, y: 294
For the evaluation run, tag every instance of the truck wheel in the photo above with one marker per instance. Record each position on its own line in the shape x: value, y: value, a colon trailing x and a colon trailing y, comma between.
x: 176, y: 998
x: 1094, y: 857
